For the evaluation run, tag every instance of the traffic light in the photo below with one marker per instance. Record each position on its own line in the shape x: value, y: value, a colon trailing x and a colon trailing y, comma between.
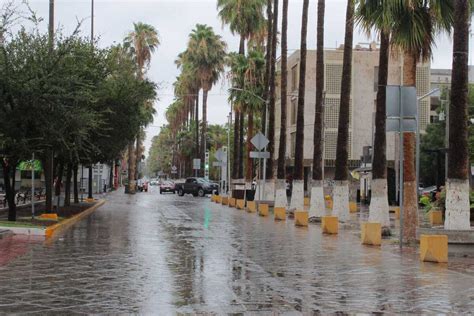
x: 206, y: 165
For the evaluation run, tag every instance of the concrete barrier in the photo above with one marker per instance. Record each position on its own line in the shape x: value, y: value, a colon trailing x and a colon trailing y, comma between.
x: 301, y: 218
x: 240, y: 204
x: 232, y: 202
x: 330, y: 224
x: 263, y: 209
x: 306, y: 201
x: 279, y: 213
x: 436, y: 217
x: 434, y: 248
x: 225, y: 200
x: 371, y: 234
x: 352, y: 207
x: 251, y: 206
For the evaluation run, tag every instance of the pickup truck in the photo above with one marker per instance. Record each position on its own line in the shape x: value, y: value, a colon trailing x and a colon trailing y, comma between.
x: 196, y: 187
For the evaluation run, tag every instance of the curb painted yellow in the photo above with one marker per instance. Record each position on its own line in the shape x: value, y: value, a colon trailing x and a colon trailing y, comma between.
x: 51, y: 230
x: 434, y: 248
x: 306, y: 201
x: 301, y: 218
x: 280, y: 213
x: 53, y: 217
x: 353, y: 207
x: 263, y: 210
x: 251, y: 206
x: 240, y: 204
x: 330, y: 224
x: 436, y: 217
x: 371, y: 234
x: 225, y: 200
x: 232, y: 202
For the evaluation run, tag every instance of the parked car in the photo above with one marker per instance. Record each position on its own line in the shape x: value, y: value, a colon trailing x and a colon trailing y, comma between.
x: 196, y: 187
x: 167, y: 186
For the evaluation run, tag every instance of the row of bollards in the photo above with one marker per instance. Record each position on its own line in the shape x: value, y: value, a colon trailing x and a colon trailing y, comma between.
x: 433, y: 248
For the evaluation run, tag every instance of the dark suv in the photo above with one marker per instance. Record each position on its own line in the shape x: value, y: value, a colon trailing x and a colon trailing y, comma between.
x: 196, y: 187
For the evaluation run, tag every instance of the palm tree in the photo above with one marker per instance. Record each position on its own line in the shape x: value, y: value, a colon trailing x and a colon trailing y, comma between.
x: 415, y: 25
x: 341, y: 188
x: 141, y: 43
x: 297, y: 197
x: 370, y: 15
x: 243, y: 18
x: 317, y: 205
x: 206, y: 52
x: 457, y: 193
x: 280, y: 196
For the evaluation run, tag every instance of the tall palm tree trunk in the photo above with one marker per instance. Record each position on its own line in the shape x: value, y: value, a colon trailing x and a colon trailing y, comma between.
x: 236, y: 149
x: 268, y: 60
x: 138, y: 153
x: 341, y: 188
x: 67, y: 187
x: 204, y: 126
x: 196, y: 119
x: 317, y: 205
x: 240, y: 138
x: 131, y: 168
x: 457, y: 194
x: 75, y: 184
x: 379, y: 210
x: 280, y: 185
x: 410, y: 195
x: 271, y: 103
x: 249, y: 167
x: 297, y: 197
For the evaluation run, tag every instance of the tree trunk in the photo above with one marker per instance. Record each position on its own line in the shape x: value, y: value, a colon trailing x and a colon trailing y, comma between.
x: 319, y: 109
x: 57, y: 188
x: 236, y: 149
x: 317, y: 204
x: 341, y: 187
x: 67, y: 187
x: 342, y: 154
x: 204, y: 127
x: 75, y: 186
x: 90, y: 196
x: 281, y: 172
x: 379, y: 209
x: 299, y: 146
x: 131, y: 168
x: 268, y: 61
x: 271, y: 103
x: 249, y: 169
x: 196, y: 118
x: 7, y: 167
x: 138, y: 154
x: 410, y: 194
x: 48, y: 179
x: 241, y: 144
x: 457, y: 195
x: 111, y: 175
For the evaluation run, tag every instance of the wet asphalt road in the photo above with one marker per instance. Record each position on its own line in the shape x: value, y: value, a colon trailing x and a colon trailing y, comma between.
x: 164, y: 254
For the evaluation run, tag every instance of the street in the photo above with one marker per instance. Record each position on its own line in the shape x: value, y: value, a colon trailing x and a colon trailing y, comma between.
x: 163, y: 254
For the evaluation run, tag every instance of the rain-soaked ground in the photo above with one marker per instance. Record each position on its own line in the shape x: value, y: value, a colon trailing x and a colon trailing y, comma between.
x: 164, y: 254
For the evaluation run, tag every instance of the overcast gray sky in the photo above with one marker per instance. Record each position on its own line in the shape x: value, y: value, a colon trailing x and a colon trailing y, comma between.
x: 174, y: 19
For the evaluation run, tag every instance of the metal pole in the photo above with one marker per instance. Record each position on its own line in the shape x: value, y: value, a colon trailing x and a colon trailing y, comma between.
x: 82, y: 179
x: 447, y: 143
x: 400, y: 124
x: 33, y: 187
x: 264, y: 159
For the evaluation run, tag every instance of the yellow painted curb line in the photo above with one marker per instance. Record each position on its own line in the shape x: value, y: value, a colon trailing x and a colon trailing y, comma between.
x: 71, y: 221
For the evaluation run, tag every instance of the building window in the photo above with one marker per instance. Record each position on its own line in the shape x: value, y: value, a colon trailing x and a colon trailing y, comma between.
x: 333, y: 78
x: 294, y: 109
x: 294, y: 78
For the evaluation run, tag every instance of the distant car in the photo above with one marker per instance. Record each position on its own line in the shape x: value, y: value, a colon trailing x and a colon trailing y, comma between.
x: 142, y: 186
x: 167, y: 186
x: 197, y: 187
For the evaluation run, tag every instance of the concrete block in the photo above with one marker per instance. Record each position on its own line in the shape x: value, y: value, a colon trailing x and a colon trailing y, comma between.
x: 263, y: 210
x: 434, y: 248
x: 280, y: 213
x: 436, y: 217
x: 301, y: 218
x: 232, y: 202
x: 218, y: 199
x: 240, y: 204
x: 251, y: 206
x: 329, y: 202
x: 371, y: 234
x: 225, y: 200
x: 352, y: 207
x: 53, y: 217
x: 306, y: 201
x: 330, y: 224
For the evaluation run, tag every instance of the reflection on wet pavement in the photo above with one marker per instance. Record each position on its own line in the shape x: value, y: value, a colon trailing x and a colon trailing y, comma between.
x: 153, y: 253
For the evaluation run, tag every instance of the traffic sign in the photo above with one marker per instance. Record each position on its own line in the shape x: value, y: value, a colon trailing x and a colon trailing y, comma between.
x: 196, y: 164
x: 259, y: 154
x: 259, y: 141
